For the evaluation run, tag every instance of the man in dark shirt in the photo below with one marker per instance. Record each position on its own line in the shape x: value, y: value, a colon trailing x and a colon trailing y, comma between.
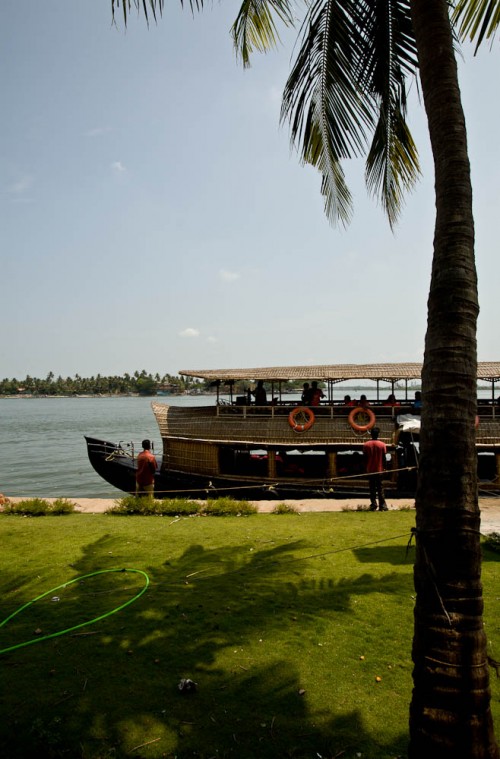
x: 146, y: 468
x: 374, y: 451
x: 260, y: 394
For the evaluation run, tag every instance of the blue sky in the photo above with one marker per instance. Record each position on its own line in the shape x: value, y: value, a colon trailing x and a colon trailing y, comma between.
x: 153, y: 216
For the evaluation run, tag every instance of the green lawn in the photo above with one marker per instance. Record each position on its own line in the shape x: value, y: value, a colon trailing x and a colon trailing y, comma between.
x: 284, y: 622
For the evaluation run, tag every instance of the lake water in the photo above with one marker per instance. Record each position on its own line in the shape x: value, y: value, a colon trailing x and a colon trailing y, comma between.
x: 42, y: 447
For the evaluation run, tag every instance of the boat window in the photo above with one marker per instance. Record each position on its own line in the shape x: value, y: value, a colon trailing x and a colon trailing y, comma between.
x: 288, y: 462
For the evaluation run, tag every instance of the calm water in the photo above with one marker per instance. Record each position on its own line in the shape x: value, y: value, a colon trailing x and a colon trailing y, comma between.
x: 43, y: 451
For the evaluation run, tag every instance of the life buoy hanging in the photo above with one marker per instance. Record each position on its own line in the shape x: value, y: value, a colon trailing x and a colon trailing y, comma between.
x: 364, y: 413
x: 301, y: 419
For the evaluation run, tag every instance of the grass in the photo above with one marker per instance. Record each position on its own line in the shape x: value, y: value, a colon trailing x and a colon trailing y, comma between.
x: 284, y: 624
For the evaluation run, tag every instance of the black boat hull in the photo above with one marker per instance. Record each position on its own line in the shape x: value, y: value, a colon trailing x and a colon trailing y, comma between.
x: 116, y: 465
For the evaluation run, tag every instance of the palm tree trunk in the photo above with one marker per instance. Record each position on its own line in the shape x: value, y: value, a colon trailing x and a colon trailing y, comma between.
x: 450, y: 710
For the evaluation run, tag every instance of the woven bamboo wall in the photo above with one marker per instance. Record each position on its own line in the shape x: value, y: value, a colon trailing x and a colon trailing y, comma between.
x: 190, y: 456
x: 488, y: 432
x: 202, y: 423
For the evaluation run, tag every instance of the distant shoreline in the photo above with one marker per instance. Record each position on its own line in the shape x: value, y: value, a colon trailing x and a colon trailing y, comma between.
x: 80, y: 396
x: 207, y: 393
x: 31, y: 396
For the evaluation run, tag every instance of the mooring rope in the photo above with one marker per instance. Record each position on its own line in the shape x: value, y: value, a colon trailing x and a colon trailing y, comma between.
x: 323, y: 482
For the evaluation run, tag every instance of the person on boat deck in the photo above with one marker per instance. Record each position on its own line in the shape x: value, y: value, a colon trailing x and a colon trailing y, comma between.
x: 146, y: 468
x: 260, y: 394
x: 391, y: 401
x: 316, y: 394
x: 348, y: 401
x: 417, y: 403
x: 374, y: 451
x: 363, y: 401
x: 306, y: 396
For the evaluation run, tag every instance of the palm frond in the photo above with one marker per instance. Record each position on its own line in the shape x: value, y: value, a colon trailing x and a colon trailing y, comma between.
x: 255, y: 26
x: 338, y: 198
x: 155, y: 7
x: 388, y: 57
x: 328, y: 114
x: 349, y: 80
x: 392, y: 164
x: 477, y: 19
x: 388, y: 41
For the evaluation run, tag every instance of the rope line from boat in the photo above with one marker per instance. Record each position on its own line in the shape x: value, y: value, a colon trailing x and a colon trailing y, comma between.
x: 259, y: 567
x: 488, y: 493
x: 283, y: 483
x: 120, y: 451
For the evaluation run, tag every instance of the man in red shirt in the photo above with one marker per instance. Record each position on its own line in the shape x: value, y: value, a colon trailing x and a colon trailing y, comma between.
x: 145, y: 474
x: 316, y: 394
x: 374, y: 451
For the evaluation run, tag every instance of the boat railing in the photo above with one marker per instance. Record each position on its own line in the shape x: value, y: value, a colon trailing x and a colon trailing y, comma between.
x: 324, y: 410
x: 486, y: 409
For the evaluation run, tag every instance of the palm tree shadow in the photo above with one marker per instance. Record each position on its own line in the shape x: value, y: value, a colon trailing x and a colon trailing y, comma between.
x: 394, y: 555
x: 491, y: 548
x: 122, y: 678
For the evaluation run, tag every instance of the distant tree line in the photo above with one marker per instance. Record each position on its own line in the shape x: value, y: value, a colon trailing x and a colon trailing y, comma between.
x: 142, y: 383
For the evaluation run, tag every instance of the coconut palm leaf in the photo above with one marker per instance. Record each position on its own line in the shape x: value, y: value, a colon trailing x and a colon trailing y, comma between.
x: 155, y: 6
x: 478, y: 18
x: 389, y: 56
x: 392, y: 163
x: 255, y: 26
x: 328, y: 116
x: 347, y: 83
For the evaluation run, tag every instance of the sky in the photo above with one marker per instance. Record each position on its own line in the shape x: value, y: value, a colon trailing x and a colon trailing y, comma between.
x: 153, y: 215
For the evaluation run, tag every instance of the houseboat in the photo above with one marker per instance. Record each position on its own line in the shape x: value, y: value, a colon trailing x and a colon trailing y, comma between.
x: 282, y: 448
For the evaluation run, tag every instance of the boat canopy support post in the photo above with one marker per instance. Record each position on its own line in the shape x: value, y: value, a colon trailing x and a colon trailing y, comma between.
x: 271, y: 464
x: 332, y: 464
x: 217, y: 402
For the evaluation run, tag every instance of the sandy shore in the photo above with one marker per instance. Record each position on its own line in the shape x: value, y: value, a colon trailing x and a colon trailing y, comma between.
x: 490, y: 507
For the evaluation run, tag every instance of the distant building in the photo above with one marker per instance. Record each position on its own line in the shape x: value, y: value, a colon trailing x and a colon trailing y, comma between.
x: 168, y: 389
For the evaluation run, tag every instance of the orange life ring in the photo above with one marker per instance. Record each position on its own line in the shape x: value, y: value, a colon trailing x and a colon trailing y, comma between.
x: 366, y: 412
x: 301, y: 412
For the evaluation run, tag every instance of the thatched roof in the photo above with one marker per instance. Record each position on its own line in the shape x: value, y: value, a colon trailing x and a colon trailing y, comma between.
x: 487, y: 370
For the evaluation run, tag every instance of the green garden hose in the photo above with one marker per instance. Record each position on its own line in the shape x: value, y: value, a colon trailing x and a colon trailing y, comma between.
x: 82, y: 624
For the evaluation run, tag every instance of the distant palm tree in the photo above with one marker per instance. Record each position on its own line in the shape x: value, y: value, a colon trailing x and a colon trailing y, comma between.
x: 348, y: 86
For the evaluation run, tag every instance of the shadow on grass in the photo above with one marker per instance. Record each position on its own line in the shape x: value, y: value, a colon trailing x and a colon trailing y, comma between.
x: 399, y: 555
x: 393, y: 555
x: 220, y: 617
x: 491, y: 548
